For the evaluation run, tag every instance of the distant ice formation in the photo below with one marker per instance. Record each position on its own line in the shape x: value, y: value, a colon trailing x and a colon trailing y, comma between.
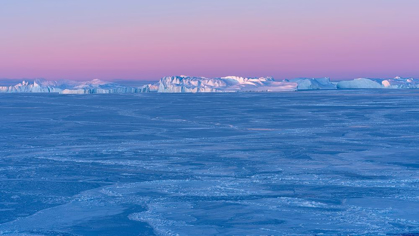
x: 310, y: 84
x: 95, y: 86
x: 358, y: 83
x: 187, y: 84
x: 401, y: 83
x: 34, y: 87
x: 363, y: 83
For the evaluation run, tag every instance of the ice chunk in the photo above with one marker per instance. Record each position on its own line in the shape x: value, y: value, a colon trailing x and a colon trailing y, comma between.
x: 309, y: 84
x: 359, y: 83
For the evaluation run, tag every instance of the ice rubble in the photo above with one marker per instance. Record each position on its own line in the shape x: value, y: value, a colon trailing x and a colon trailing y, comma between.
x: 187, y: 84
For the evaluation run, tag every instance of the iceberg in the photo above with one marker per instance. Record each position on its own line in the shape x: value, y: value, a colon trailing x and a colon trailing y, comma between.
x: 27, y: 87
x: 186, y: 84
x: 401, y: 83
x: 364, y: 83
x: 95, y: 86
x: 360, y: 83
x: 311, y: 84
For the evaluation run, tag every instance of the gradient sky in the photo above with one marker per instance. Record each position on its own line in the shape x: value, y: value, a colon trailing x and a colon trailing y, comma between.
x: 144, y: 39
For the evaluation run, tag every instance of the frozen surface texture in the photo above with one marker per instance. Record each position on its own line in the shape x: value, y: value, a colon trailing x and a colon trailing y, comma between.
x: 299, y: 163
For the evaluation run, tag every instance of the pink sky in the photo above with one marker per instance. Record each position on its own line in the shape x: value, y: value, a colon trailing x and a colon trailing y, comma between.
x: 134, y: 39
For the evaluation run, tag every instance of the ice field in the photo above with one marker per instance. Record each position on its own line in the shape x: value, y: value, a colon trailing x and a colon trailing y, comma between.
x: 291, y: 163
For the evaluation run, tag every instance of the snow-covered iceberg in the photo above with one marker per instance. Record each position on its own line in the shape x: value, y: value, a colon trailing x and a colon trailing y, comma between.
x: 310, y: 84
x: 364, y: 83
x: 401, y: 83
x: 186, y: 84
x: 172, y: 84
x: 95, y: 86
x: 360, y: 83
x: 100, y: 87
x: 31, y: 87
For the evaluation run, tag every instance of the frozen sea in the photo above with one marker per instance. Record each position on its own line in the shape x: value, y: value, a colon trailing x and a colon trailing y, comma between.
x: 298, y: 163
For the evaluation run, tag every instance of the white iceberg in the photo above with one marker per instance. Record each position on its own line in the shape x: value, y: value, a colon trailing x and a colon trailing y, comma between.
x: 27, y: 87
x: 315, y: 83
x: 401, y: 83
x: 364, y: 83
x: 95, y: 86
x: 360, y: 83
x: 186, y: 84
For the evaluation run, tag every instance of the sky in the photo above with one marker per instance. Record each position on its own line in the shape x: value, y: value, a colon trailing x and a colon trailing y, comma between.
x: 146, y: 40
